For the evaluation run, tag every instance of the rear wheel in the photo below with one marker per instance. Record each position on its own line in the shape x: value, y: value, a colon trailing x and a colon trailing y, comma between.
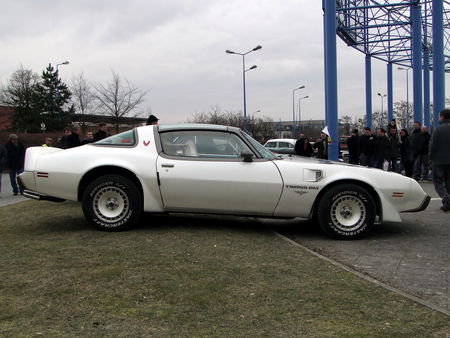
x: 346, y: 211
x: 112, y: 203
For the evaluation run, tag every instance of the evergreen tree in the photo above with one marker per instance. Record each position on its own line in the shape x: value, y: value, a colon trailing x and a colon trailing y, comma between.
x: 21, y: 94
x: 53, y: 95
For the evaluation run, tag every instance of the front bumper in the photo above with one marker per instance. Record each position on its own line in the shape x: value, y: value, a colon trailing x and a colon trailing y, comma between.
x: 422, y: 206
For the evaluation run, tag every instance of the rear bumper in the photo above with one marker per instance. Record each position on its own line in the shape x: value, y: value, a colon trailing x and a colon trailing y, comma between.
x: 423, y: 206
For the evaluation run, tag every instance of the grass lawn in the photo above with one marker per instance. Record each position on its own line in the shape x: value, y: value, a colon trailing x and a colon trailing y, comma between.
x: 182, y: 276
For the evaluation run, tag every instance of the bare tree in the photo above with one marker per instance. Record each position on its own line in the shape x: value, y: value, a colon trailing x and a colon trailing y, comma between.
x: 118, y: 98
x: 83, y: 97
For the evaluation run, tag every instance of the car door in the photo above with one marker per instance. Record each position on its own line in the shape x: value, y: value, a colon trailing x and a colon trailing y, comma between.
x: 203, y: 171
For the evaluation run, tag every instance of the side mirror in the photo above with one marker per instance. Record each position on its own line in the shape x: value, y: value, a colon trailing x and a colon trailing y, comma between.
x: 247, y: 156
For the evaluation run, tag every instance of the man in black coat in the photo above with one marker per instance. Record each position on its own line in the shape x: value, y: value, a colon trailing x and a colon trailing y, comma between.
x: 440, y: 158
x: 3, y: 161
x: 353, y: 147
x: 303, y: 147
x: 73, y: 140
x: 380, y: 148
x: 421, y: 162
x: 102, y: 132
x: 321, y: 146
x: 16, y: 159
x: 366, y: 148
x: 393, y: 150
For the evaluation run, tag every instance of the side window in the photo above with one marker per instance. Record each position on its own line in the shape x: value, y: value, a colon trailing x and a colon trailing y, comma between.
x: 271, y: 145
x: 127, y: 138
x: 285, y: 145
x: 203, y: 144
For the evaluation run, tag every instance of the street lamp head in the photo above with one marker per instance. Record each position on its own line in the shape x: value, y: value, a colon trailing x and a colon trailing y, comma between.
x: 253, y: 67
x: 65, y: 63
x: 229, y: 52
x: 301, y: 87
x: 306, y: 97
x: 257, y: 47
x: 379, y: 94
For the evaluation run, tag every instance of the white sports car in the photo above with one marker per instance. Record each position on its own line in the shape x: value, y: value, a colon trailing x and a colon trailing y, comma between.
x: 216, y: 170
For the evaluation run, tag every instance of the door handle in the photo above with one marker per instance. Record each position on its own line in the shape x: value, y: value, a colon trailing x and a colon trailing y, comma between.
x: 166, y: 165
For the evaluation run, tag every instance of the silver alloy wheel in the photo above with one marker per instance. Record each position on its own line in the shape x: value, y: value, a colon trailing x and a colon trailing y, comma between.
x: 348, y: 213
x: 110, y: 204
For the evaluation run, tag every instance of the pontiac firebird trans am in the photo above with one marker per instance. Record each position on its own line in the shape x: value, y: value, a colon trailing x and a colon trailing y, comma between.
x: 214, y: 169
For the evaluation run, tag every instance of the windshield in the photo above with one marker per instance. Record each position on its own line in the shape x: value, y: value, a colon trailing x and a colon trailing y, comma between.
x: 261, y: 149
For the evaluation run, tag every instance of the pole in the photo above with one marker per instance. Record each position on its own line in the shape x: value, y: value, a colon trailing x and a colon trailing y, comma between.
x: 438, y: 60
x: 245, y: 98
x: 331, y: 76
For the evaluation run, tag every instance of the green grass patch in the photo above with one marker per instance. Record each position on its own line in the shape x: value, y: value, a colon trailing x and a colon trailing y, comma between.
x: 182, y: 276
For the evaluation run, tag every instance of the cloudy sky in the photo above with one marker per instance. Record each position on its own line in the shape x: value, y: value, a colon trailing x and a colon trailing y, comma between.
x: 175, y: 50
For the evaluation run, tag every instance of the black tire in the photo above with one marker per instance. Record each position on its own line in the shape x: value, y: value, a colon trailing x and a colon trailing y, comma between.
x: 346, y: 211
x: 112, y: 203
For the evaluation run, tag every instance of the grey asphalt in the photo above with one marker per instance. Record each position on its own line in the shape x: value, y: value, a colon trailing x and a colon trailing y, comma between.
x: 6, y: 193
x: 413, y: 256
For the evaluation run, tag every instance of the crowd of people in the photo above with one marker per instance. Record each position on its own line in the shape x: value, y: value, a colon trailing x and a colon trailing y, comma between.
x: 12, y: 154
x: 412, y: 154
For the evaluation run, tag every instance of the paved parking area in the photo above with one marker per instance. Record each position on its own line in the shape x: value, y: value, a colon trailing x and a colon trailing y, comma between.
x: 413, y: 256
x: 6, y: 193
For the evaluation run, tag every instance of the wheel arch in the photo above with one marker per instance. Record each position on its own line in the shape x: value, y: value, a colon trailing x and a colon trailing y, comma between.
x: 362, y: 184
x: 94, y: 173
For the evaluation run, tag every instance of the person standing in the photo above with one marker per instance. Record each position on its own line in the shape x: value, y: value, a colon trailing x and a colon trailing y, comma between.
x: 89, y: 138
x: 366, y: 148
x: 73, y: 140
x: 16, y: 159
x: 440, y: 158
x: 152, y: 120
x: 380, y: 148
x: 321, y: 146
x: 303, y: 147
x: 421, y: 163
x: 3, y: 161
x: 102, y: 132
x: 393, y: 150
x: 405, y: 153
x: 353, y: 147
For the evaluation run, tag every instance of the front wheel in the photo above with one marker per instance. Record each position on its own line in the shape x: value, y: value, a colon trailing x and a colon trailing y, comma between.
x: 346, y: 211
x: 112, y: 203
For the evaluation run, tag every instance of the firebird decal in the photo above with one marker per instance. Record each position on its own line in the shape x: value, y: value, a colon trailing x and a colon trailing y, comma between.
x: 146, y: 143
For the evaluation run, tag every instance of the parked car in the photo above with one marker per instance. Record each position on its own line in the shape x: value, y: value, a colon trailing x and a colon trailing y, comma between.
x: 213, y: 169
x: 281, y: 145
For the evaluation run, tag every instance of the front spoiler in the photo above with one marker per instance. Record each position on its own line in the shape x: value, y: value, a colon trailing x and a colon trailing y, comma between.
x: 423, y: 206
x: 36, y: 196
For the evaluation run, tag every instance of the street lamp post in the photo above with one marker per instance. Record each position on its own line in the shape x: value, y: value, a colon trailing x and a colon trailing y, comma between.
x: 407, y: 95
x: 381, y: 114
x: 57, y: 78
x: 299, y: 110
x: 243, y: 78
x: 293, y: 109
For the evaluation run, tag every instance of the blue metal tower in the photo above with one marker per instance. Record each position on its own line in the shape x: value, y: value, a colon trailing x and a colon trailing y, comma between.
x: 409, y: 33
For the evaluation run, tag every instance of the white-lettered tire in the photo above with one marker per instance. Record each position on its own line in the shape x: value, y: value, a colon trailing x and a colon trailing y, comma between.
x: 112, y: 203
x: 346, y: 211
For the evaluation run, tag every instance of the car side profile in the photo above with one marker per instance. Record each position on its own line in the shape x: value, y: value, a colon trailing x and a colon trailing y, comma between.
x: 211, y: 169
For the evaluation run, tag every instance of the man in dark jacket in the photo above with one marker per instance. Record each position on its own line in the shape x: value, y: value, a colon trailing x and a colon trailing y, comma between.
x: 421, y: 162
x: 102, y: 132
x: 353, y: 147
x: 321, y: 146
x: 3, y: 161
x: 303, y: 147
x: 73, y: 140
x: 393, y: 150
x: 405, y: 153
x: 440, y: 158
x: 16, y: 159
x: 380, y: 147
x: 366, y: 148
